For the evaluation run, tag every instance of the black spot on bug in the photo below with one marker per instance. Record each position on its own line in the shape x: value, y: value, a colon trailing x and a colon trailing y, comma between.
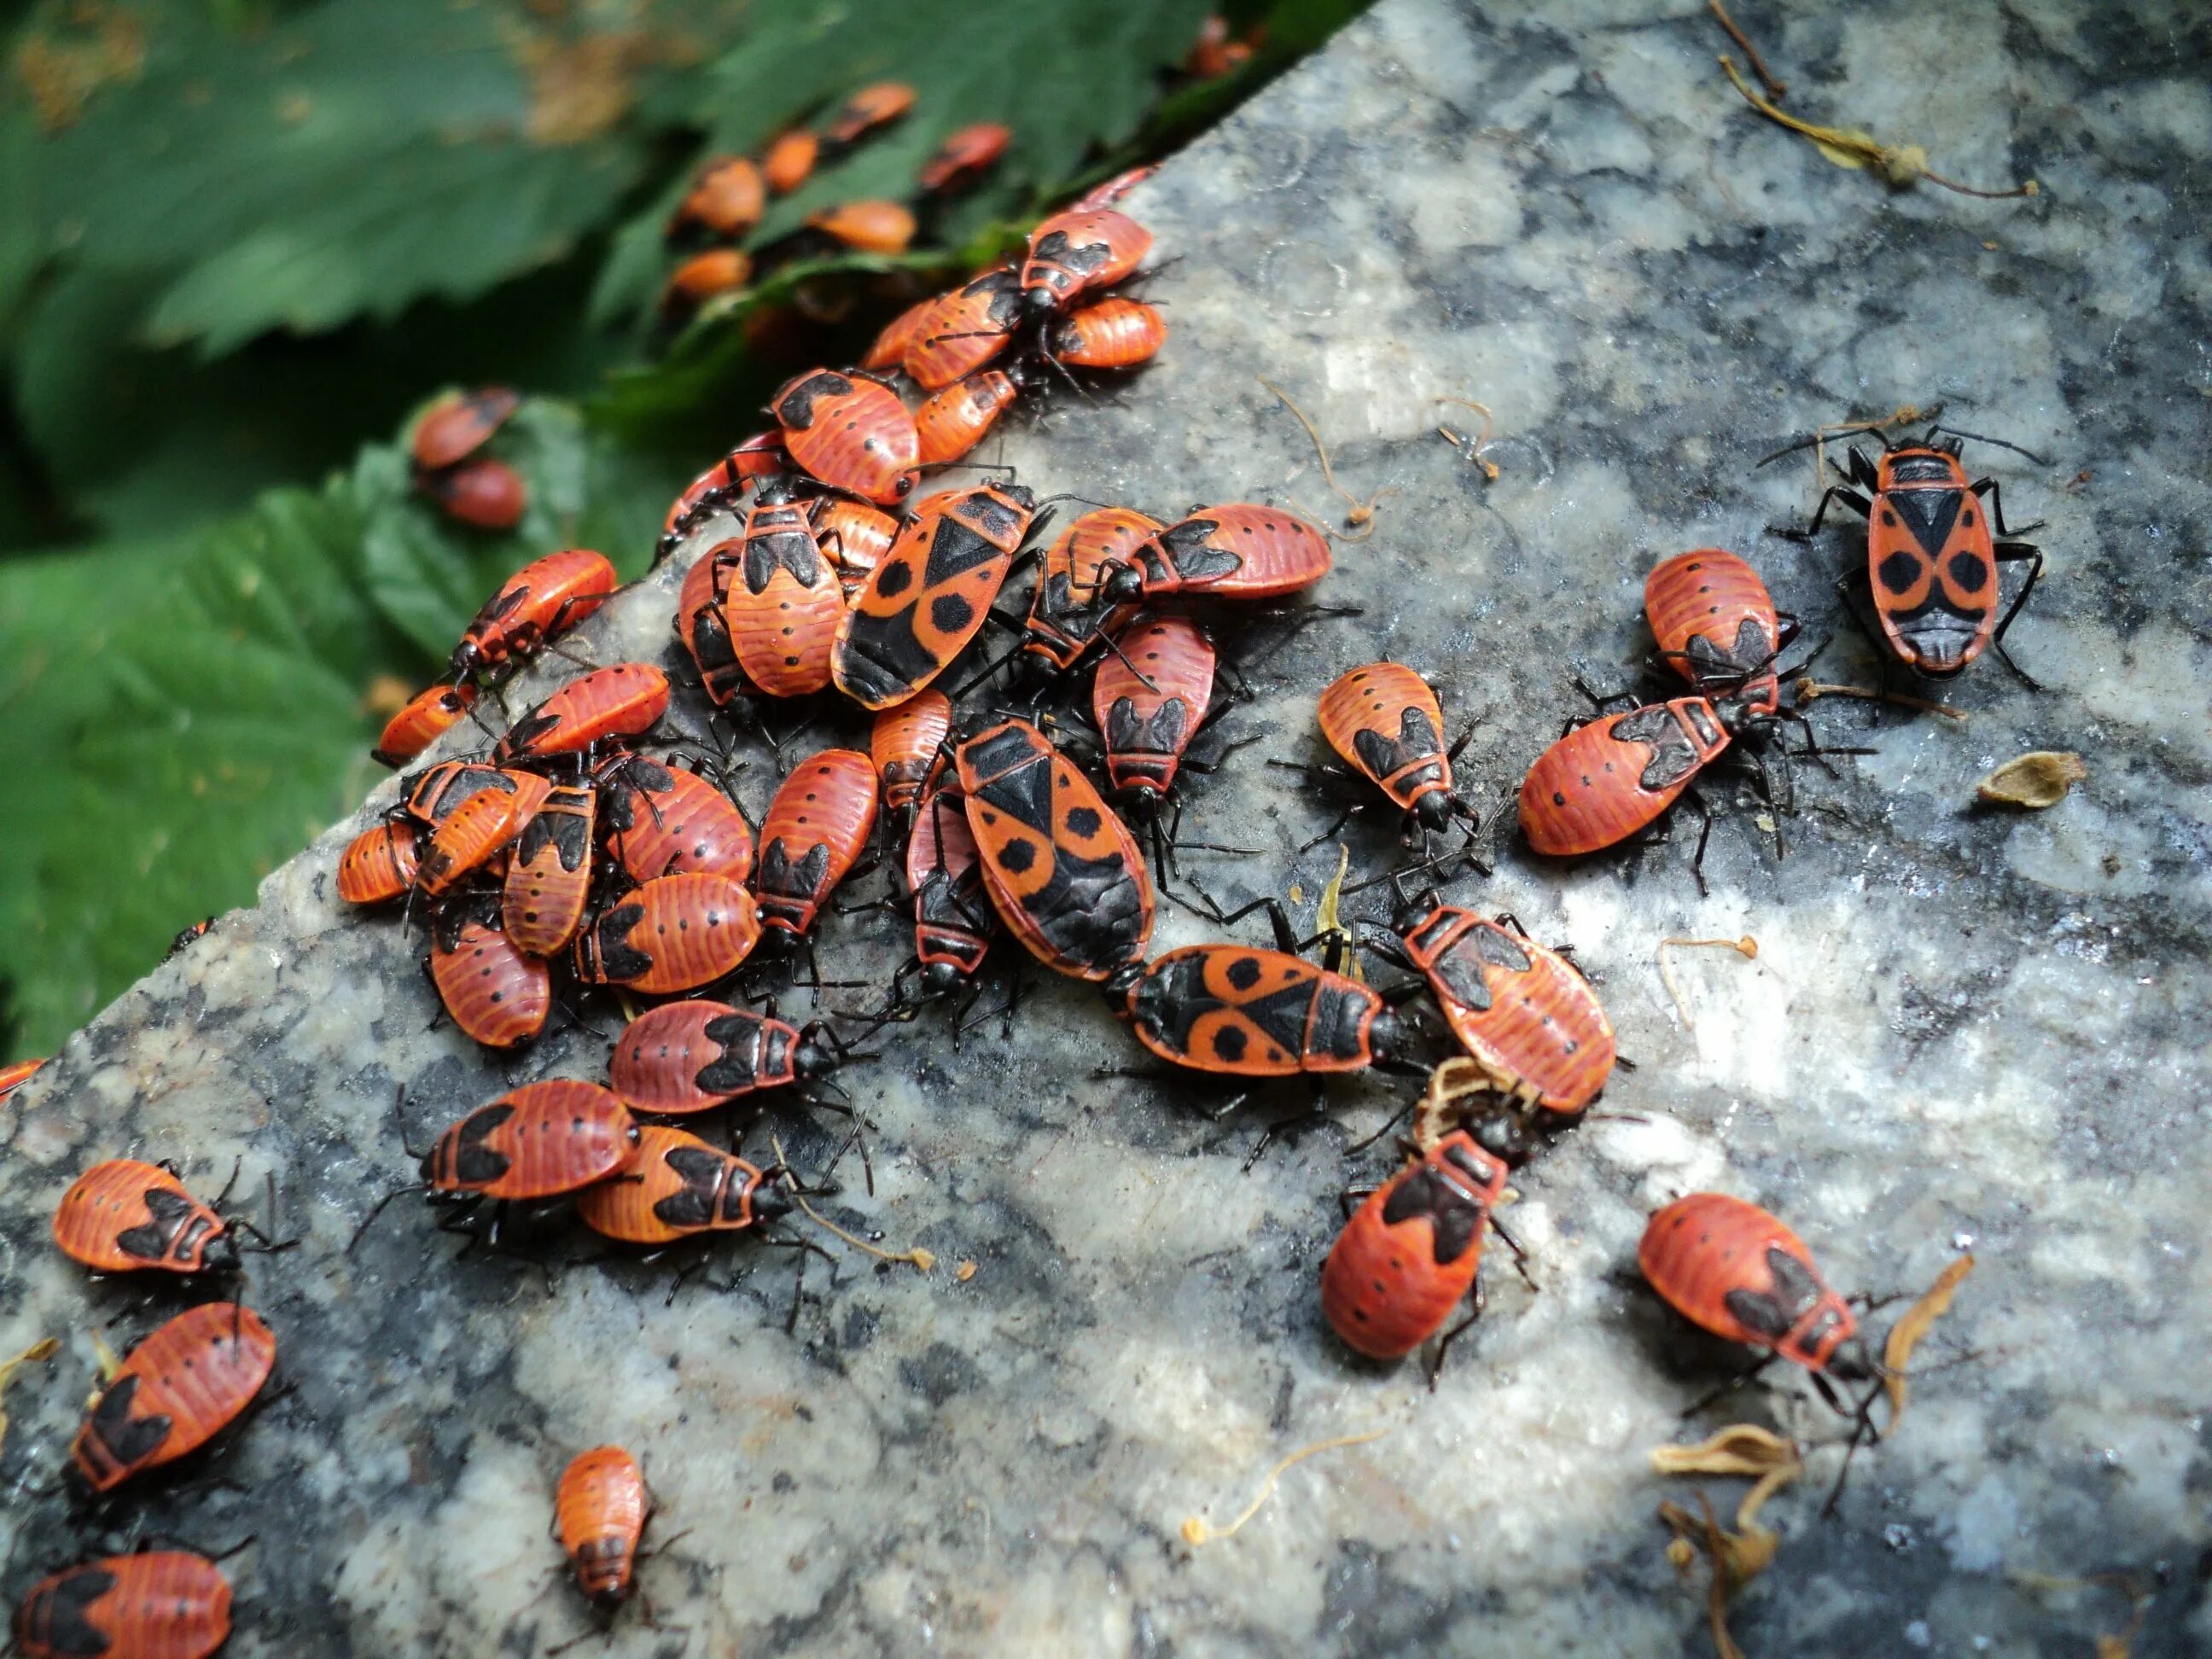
x: 1899, y: 572
x: 895, y: 579
x: 1229, y: 1043
x: 1017, y: 856
x: 949, y: 613
x: 1244, y: 973
x: 1084, y: 822
x: 1968, y: 570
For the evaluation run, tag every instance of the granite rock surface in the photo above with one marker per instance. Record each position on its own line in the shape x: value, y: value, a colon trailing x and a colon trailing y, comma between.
x: 1965, y: 1028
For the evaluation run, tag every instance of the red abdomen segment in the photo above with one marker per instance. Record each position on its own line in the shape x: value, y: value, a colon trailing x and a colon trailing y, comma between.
x: 622, y: 700
x: 599, y: 1509
x: 1931, y: 562
x: 953, y: 420
x: 159, y: 1604
x: 546, y: 597
x: 1253, y: 1013
x: 1410, y: 1253
x: 1384, y: 719
x: 1732, y: 1268
x: 693, y: 1056
x: 435, y: 792
x: 380, y: 863
x: 931, y: 594
x: 816, y: 828
x: 855, y: 536
x: 850, y: 432
x: 905, y: 743
x: 783, y: 602
x: 680, y: 1187
x: 541, y: 1141
x: 672, y: 933
x: 1079, y: 251
x: 1532, y: 1022
x: 15, y: 1074
x: 1715, y: 624
x: 457, y: 427
x: 179, y: 1389
x: 963, y: 155
x: 548, y: 880
x: 1061, y: 867
x: 660, y: 820
x: 1069, y: 612
x: 488, y: 493
x: 888, y: 349
x: 961, y: 330
x: 756, y: 457
x: 1602, y: 782
x: 1239, y: 551
x: 426, y: 719
x: 498, y: 994
x: 475, y: 830
x: 953, y: 921
x: 1116, y: 333
x: 122, y: 1215
x: 1148, y: 727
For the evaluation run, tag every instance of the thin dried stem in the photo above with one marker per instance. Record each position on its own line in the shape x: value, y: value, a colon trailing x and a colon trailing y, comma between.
x: 1809, y: 691
x: 1359, y: 515
x: 1745, y: 947
x: 1196, y: 1530
x: 1775, y: 89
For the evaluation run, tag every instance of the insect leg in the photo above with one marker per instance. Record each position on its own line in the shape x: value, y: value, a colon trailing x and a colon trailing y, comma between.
x: 2009, y: 552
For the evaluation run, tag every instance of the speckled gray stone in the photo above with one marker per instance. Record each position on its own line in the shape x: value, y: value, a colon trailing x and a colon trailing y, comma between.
x: 1963, y: 1026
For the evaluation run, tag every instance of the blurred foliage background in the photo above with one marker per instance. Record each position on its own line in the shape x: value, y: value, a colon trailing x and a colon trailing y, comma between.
x: 241, y: 242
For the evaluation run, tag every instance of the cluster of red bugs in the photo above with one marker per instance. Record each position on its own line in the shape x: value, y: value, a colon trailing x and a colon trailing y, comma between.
x: 451, y: 468
x: 730, y: 194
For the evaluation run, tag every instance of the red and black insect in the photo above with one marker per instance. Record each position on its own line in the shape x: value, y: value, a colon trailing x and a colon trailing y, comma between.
x: 549, y: 877
x: 157, y: 1604
x: 1068, y: 614
x: 497, y: 992
x: 1932, y: 560
x: 1241, y: 551
x: 727, y: 200
x: 427, y: 717
x: 600, y: 1509
x: 622, y: 700
x: 813, y: 833
x: 873, y: 106
x: 953, y: 420
x: 379, y: 864
x: 458, y: 426
x: 1731, y: 1268
x: 540, y: 601
x: 1063, y: 871
x: 1114, y: 333
x: 888, y: 349
x: 1717, y: 625
x: 954, y: 922
x: 1385, y: 721
x: 1526, y: 1014
x: 855, y: 535
x: 689, y: 1057
x: 907, y: 744
x: 486, y: 494
x: 783, y: 601
x: 432, y: 795
x: 1112, y: 190
x: 702, y: 625
x: 542, y: 1140
x: 15, y: 1074
x: 851, y: 433
x: 1411, y: 1253
x: 1245, y: 1012
x: 185, y: 936
x: 790, y: 160
x: 1149, y: 699
x: 474, y: 831
x: 961, y: 330
x: 672, y: 933
x: 679, y: 1189
x: 178, y: 1389
x: 720, y: 486
x: 965, y: 155
x: 1076, y: 252
x: 660, y: 819
x: 931, y: 594
x: 701, y: 279
x: 121, y: 1215
x: 873, y: 227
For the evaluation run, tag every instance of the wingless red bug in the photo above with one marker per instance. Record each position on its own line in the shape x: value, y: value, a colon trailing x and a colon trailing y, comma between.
x: 475, y: 830
x: 548, y: 880
x: 538, y: 602
x: 1717, y: 627
x: 157, y: 1604
x: 931, y: 594
x: 497, y: 992
x: 457, y: 427
x: 622, y: 700
x: 851, y: 433
x: 380, y: 863
x: 790, y: 160
x: 964, y: 156
x: 174, y: 1392
x: 672, y: 933
x: 1411, y: 1253
x: 600, y: 1509
x: 784, y: 602
x: 542, y: 1140
x: 1078, y: 251
x: 121, y: 1215
x: 906, y: 743
x: 953, y: 422
x: 15, y: 1074
x: 1735, y: 1270
x: 855, y: 535
x: 1240, y: 551
x: 813, y: 833
x: 871, y: 107
x: 659, y: 820
x: 1114, y: 333
x: 488, y: 493
x: 720, y: 485
x: 703, y: 624
x: 689, y: 1057
x: 961, y: 330
x: 427, y: 717
x: 1385, y: 721
x: 1062, y: 869
x: 727, y: 200
x: 954, y: 922
x: 1068, y: 613
x: 1147, y: 726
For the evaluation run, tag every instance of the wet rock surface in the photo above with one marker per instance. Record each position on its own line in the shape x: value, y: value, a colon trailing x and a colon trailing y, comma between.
x: 1966, y: 1027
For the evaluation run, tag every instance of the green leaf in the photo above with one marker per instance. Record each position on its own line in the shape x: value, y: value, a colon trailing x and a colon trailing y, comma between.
x: 179, y: 715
